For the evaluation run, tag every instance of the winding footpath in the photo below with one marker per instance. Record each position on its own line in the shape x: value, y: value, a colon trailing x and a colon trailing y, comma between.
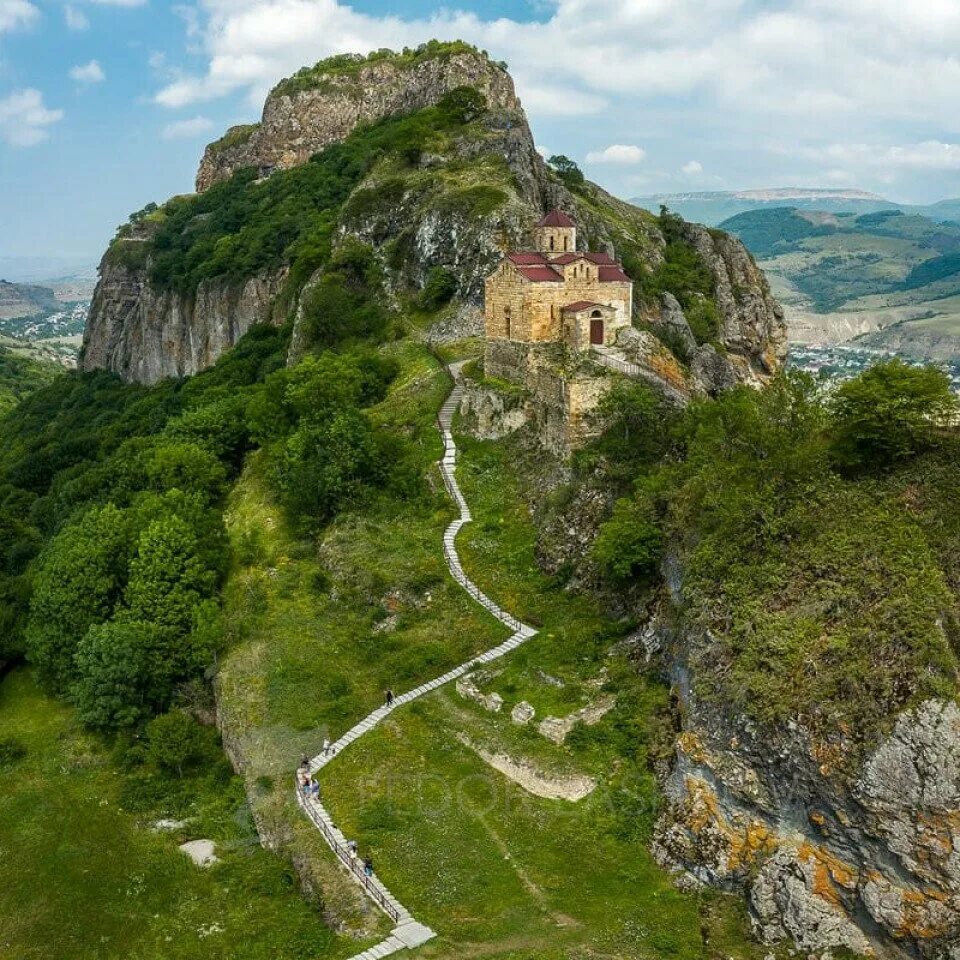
x: 407, y: 932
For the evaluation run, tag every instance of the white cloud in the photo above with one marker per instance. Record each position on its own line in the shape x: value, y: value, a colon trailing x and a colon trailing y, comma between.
x: 25, y: 119
x: 931, y: 155
x: 692, y: 168
x: 17, y: 13
x: 88, y: 73
x: 184, y: 129
x: 120, y: 3
x: 75, y: 19
x: 860, y: 71
x: 624, y: 153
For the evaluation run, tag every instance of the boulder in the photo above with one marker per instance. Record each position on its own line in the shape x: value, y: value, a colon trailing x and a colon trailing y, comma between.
x: 522, y: 713
x: 674, y: 325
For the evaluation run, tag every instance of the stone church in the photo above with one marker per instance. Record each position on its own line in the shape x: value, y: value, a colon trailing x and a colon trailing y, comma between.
x: 556, y: 294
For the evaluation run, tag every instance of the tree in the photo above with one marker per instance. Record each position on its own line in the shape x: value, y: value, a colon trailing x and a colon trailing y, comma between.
x: 890, y: 413
x: 186, y: 466
x: 463, y: 104
x: 175, y: 741
x: 79, y: 579
x: 167, y: 577
x: 125, y: 673
x: 639, y: 422
x: 328, y: 465
x: 630, y: 543
x: 567, y: 170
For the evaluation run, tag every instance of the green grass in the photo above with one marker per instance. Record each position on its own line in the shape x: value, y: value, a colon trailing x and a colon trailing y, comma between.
x: 83, y: 880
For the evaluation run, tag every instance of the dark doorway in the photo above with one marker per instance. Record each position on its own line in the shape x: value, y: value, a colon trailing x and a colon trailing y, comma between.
x: 596, y: 331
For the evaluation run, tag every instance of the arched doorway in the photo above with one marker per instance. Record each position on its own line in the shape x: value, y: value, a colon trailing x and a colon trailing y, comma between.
x: 596, y: 328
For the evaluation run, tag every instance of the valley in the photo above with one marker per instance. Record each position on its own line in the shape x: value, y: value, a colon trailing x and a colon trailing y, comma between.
x: 887, y: 280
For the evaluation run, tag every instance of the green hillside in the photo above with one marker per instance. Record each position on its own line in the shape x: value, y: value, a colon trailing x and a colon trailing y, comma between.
x: 241, y: 563
x: 849, y: 273
x: 21, y: 373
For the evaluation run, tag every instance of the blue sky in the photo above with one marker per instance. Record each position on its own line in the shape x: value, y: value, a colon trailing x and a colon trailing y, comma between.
x: 107, y: 104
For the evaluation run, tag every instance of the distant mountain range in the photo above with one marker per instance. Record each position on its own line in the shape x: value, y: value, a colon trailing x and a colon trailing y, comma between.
x: 888, y: 278
x: 25, y: 300
x: 713, y: 207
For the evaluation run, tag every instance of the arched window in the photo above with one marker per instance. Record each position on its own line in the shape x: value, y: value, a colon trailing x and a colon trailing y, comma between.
x: 596, y: 314
x: 507, y: 319
x: 551, y: 242
x: 566, y: 243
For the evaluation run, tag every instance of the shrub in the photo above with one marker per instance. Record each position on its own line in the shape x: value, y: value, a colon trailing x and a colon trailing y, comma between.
x: 630, y: 544
x: 345, y: 303
x: 890, y: 413
x: 439, y: 289
x: 176, y: 742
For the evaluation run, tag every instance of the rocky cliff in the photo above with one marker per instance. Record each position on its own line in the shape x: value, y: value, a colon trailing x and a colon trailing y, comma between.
x: 146, y: 334
x: 866, y: 859
x: 325, y: 104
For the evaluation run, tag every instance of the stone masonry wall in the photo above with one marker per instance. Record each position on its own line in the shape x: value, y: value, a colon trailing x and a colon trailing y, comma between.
x: 563, y: 402
x: 535, y: 307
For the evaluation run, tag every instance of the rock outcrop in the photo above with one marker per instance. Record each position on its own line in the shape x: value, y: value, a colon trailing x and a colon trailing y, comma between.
x: 145, y: 335
x: 752, y: 321
x: 865, y: 857
x: 320, y: 106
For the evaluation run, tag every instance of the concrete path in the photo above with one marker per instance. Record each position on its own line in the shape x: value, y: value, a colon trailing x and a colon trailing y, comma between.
x: 408, y: 933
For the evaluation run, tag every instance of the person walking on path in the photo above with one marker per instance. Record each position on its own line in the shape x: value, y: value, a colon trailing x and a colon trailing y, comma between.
x: 326, y: 747
x: 352, y: 849
x: 389, y: 697
x: 368, y: 867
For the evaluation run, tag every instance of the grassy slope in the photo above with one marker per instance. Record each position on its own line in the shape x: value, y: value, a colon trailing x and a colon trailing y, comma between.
x: 82, y: 880
x: 306, y: 660
x: 495, y: 870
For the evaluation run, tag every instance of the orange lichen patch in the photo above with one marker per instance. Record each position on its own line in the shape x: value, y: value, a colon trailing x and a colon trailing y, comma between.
x: 937, y: 833
x: 829, y: 872
x: 829, y: 756
x: 693, y: 747
x: 924, y: 916
x: 744, y: 843
x: 817, y: 817
x: 759, y: 842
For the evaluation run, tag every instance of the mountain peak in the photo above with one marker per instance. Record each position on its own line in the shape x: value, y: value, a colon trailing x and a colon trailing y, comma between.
x: 325, y: 103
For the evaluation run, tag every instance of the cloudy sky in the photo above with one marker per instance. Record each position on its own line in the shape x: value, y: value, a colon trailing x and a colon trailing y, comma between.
x: 107, y: 104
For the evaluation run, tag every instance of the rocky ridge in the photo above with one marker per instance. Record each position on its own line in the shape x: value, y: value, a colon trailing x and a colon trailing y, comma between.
x: 300, y: 119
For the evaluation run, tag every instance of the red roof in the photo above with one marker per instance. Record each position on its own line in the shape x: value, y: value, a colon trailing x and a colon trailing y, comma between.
x: 613, y: 274
x: 566, y: 258
x: 584, y: 305
x: 524, y: 258
x: 540, y: 274
x: 556, y: 218
x: 601, y: 258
